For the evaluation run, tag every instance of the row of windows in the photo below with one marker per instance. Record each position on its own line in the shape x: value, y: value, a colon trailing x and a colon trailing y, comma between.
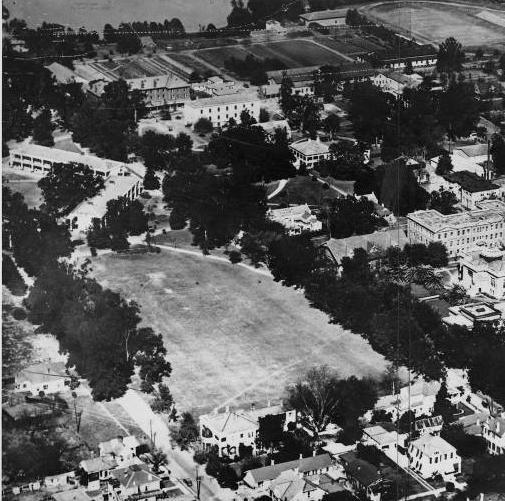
x: 226, y: 108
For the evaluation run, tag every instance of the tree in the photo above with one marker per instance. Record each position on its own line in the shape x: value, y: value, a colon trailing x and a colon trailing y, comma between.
x: 264, y: 115
x: 443, y: 201
x: 321, y: 398
x: 203, y: 126
x: 163, y: 400
x: 239, y: 16
x: 67, y: 185
x: 444, y: 164
x: 187, y: 431
x: 442, y: 406
x: 456, y: 295
x: 467, y: 446
x: 408, y: 68
x: 488, y: 475
x: 159, y: 458
x: 286, y: 98
x: 151, y: 182
x: 450, y: 56
x: 271, y: 430
x: 331, y: 125
x: 498, y: 153
x: 43, y: 128
x: 119, y: 242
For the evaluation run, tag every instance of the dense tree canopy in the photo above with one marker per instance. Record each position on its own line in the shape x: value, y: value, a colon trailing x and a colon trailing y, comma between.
x: 450, y: 56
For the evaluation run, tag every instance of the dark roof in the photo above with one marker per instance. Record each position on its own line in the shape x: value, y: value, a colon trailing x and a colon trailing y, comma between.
x: 469, y: 181
x: 304, y: 464
x: 365, y: 473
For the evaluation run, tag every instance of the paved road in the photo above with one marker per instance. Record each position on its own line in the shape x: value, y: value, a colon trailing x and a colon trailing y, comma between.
x: 181, y: 462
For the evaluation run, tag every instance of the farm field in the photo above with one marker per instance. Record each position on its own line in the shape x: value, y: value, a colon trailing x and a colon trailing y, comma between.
x: 436, y: 22
x: 233, y: 335
x: 293, y: 53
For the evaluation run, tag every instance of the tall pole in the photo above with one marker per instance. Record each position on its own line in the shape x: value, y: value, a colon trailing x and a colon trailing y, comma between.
x: 198, y: 482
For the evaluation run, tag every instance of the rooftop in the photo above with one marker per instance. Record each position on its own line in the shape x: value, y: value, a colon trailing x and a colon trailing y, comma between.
x: 496, y: 424
x: 373, y: 242
x: 324, y: 14
x: 117, y: 445
x: 296, y: 213
x: 432, y: 444
x: 239, y: 97
x: 488, y: 211
x: 39, y: 373
x: 98, y: 464
x: 473, y: 150
x: 310, y: 147
x: 303, y: 465
x: 365, y: 473
x: 134, y: 475
x: 471, y: 182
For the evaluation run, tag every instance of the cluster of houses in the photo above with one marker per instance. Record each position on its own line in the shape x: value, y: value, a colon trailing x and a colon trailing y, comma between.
x: 381, y: 460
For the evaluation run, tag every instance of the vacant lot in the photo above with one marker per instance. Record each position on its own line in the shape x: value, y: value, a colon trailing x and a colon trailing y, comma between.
x: 436, y: 22
x: 293, y: 53
x: 232, y: 335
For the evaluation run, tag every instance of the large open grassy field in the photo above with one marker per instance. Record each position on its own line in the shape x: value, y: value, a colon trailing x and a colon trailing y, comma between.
x: 232, y: 335
x: 434, y: 22
x: 293, y: 53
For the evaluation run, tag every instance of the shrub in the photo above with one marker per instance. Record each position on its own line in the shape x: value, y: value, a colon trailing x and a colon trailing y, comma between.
x: 11, y: 277
x: 177, y: 220
x: 235, y: 256
x: 19, y: 313
x: 93, y: 251
x: 203, y: 126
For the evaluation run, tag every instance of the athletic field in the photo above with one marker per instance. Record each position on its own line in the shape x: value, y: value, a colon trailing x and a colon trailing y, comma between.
x: 232, y: 335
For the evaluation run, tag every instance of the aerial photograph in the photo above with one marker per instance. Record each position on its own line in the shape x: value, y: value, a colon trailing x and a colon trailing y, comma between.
x: 253, y: 250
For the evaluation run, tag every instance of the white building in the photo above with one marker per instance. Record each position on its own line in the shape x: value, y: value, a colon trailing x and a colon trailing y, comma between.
x: 419, y: 398
x: 482, y: 270
x: 126, y: 182
x: 467, y: 315
x: 461, y: 231
x: 216, y: 86
x: 97, y: 470
x: 228, y: 430
x: 395, y: 83
x: 309, y: 152
x: 334, y: 17
x: 296, y: 219
x: 47, y: 377
x: 431, y: 455
x: 136, y: 481
x: 120, y: 449
x: 493, y: 431
x: 220, y: 109
x: 41, y: 159
x: 471, y: 188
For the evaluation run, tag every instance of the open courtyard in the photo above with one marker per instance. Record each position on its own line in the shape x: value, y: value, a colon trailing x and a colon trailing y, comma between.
x: 435, y: 21
x: 233, y: 335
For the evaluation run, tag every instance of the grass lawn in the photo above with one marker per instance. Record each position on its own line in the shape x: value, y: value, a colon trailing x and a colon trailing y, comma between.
x: 303, y: 189
x: 25, y: 185
x: 232, y: 335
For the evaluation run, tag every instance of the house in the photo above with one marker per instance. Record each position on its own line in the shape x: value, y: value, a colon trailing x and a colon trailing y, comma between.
x: 461, y: 231
x: 493, y: 431
x: 309, y: 152
x: 327, y: 18
x: 417, y: 55
x: 365, y: 478
x: 136, y: 481
x: 431, y: 425
x: 271, y: 127
x: 395, y: 83
x: 374, y: 243
x: 477, y: 153
x: 46, y: 377
x: 147, y: 43
x: 261, y: 478
x: 419, y: 398
x: 60, y: 480
x: 431, y: 455
x: 296, y: 219
x: 119, y: 449
x: 126, y: 182
x: 220, y: 109
x: 216, y: 86
x: 26, y: 411
x: 97, y: 470
x: 229, y: 430
x: 472, y: 188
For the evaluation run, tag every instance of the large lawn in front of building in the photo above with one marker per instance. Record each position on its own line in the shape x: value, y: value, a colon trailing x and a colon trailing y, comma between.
x: 233, y: 336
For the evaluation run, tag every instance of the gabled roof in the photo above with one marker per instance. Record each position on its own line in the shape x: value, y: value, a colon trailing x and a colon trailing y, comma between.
x: 324, y: 14
x: 94, y: 465
x: 496, y: 425
x: 471, y: 182
x: 135, y: 475
x: 310, y: 147
x: 365, y: 473
x: 303, y: 465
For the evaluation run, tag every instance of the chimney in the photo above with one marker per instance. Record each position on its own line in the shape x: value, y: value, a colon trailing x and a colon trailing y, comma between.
x: 272, y: 462
x: 301, y: 455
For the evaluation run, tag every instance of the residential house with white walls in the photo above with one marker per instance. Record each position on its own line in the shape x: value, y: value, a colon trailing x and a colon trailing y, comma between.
x: 431, y: 455
x: 47, y: 377
x: 136, y: 481
x: 121, y: 449
x: 309, y: 152
x: 493, y: 431
x: 228, y: 431
x: 296, y: 219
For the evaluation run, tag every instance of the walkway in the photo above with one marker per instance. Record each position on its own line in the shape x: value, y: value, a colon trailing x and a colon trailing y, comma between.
x: 280, y: 187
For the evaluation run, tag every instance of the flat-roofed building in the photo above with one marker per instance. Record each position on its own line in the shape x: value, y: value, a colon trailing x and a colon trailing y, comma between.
x: 309, y: 152
x: 42, y: 159
x: 461, y: 231
x: 472, y: 188
x: 220, y: 109
x: 431, y: 455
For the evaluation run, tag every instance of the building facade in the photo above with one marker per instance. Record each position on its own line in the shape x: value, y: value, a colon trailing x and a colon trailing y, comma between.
x: 297, y: 219
x: 431, y: 455
x: 230, y: 430
x: 309, y: 152
x: 493, y: 431
x: 220, y: 109
x: 461, y: 231
x: 46, y: 377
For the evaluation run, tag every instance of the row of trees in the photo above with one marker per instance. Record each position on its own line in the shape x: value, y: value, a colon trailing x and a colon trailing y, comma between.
x: 253, y: 68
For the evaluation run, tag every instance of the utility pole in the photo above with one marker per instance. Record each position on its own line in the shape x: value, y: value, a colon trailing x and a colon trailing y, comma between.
x: 198, y: 482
